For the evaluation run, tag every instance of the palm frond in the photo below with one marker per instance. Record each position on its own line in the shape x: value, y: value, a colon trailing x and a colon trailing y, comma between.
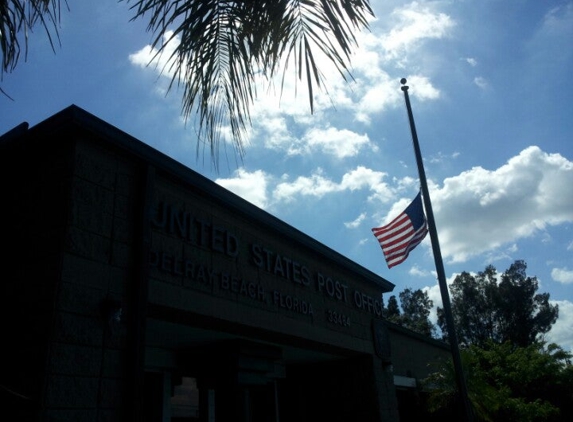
x: 17, y: 19
x: 223, y: 46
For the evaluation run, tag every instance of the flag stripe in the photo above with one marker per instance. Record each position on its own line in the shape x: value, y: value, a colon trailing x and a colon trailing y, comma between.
x: 407, y: 244
x: 411, y: 244
x: 397, y: 240
x: 399, y: 237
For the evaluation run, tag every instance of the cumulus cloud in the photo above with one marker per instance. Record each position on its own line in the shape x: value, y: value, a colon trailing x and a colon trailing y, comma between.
x: 562, y: 275
x: 415, y: 22
x: 365, y: 178
x: 435, y: 295
x: 482, y: 210
x: 318, y: 185
x: 562, y: 332
x: 254, y: 187
x: 471, y: 61
x: 250, y: 186
x: 340, y: 143
x: 418, y: 272
x: 546, y: 44
x: 357, y: 222
x: 424, y: 90
x: 440, y: 157
x: 481, y: 82
x: 150, y: 57
x: 559, y: 20
x: 282, y: 119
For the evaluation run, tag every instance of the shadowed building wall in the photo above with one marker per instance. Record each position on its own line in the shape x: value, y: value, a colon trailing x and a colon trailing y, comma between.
x: 136, y: 289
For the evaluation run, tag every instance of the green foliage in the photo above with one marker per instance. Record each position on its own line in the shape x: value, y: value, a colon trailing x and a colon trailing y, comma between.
x: 393, y: 309
x: 484, y: 398
x: 511, y: 374
x: 510, y: 310
x: 523, y: 316
x: 508, y: 383
x: 416, y: 306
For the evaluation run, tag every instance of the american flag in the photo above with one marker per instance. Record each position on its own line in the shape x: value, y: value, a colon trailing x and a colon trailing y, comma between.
x: 403, y: 234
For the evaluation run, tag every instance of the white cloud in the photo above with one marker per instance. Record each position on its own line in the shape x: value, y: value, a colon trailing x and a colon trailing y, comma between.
x: 357, y: 222
x: 559, y: 20
x: 481, y: 82
x: 149, y: 56
x: 396, y: 208
x: 143, y: 57
x: 318, y: 185
x: 422, y: 88
x: 415, y: 23
x: 338, y: 142
x: 545, y: 48
x: 482, y: 210
x: 254, y: 186
x: 250, y: 186
x: 375, y: 96
x: 418, y: 272
x: 277, y: 134
x: 435, y: 295
x: 440, y: 157
x: 471, y: 61
x: 364, y: 178
x: 562, y: 332
x: 281, y: 118
x: 562, y: 275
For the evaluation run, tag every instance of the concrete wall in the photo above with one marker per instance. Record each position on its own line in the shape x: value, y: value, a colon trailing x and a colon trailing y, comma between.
x: 304, y: 295
x: 412, y: 354
x: 87, y: 374
x: 35, y: 185
x: 97, y: 222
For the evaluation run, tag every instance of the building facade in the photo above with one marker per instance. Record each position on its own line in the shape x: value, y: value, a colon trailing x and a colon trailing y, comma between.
x: 136, y: 289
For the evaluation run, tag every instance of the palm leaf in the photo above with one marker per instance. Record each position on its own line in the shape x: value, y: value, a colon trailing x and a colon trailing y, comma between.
x: 224, y: 46
x: 17, y: 19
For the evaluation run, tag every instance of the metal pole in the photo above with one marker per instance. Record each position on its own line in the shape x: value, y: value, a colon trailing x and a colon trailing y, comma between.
x: 460, y: 378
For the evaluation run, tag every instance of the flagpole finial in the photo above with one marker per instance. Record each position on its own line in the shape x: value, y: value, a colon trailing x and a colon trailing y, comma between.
x: 403, y: 81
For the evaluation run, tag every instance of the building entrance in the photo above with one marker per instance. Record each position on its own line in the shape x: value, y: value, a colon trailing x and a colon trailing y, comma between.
x: 233, y: 380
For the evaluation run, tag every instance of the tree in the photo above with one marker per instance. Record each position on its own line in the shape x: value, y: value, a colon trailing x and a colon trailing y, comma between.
x: 416, y: 306
x: 506, y: 311
x: 522, y: 315
x: 393, y: 309
x: 508, y: 383
x: 443, y: 394
x: 472, y: 300
x: 222, y: 48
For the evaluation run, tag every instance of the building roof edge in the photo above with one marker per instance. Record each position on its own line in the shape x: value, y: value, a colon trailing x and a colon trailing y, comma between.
x: 74, y: 115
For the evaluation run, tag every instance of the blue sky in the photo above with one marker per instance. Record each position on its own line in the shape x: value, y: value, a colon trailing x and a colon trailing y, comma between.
x: 491, y: 93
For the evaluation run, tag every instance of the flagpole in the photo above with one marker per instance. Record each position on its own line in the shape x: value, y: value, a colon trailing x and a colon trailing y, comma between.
x: 460, y: 378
